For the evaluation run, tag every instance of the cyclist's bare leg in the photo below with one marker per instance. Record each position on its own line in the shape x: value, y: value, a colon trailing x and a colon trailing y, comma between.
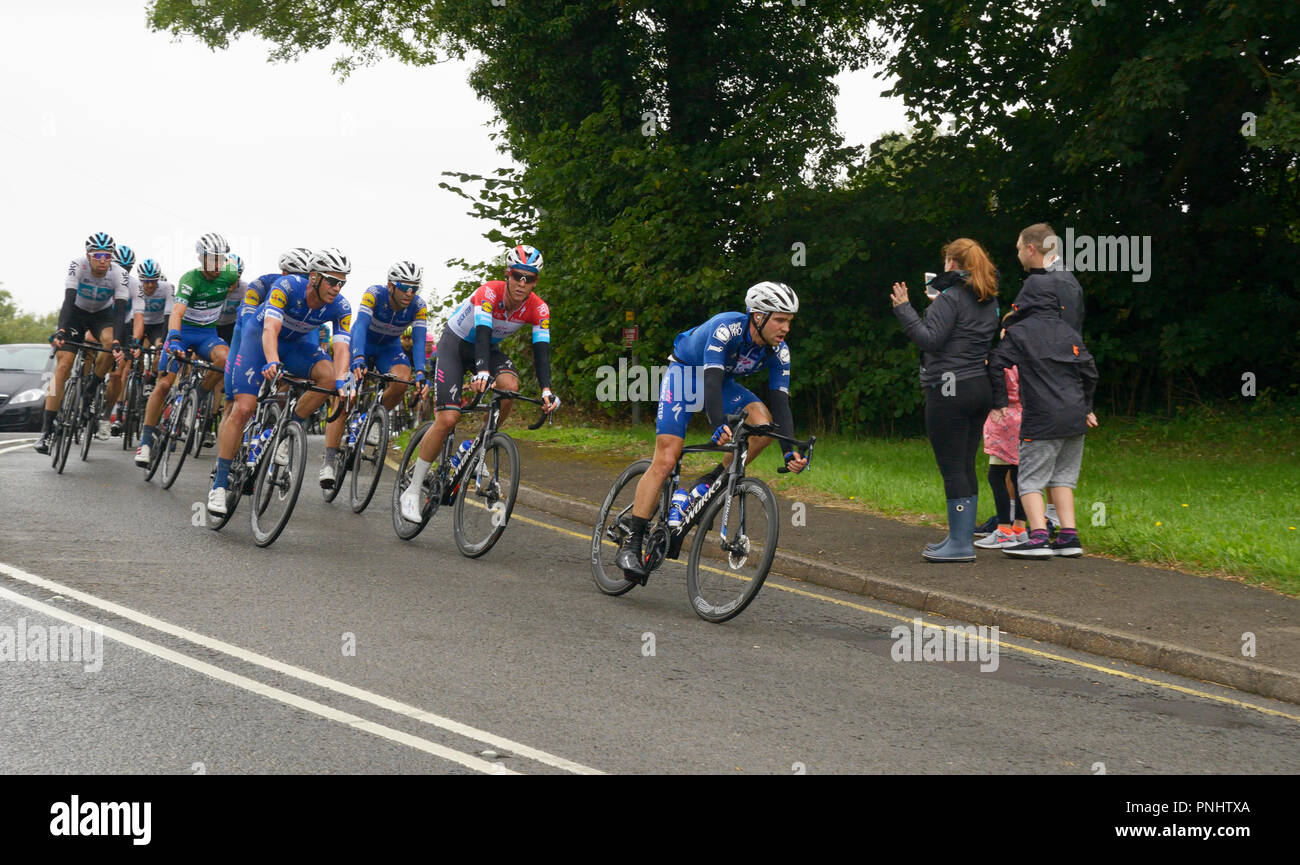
x: 668, y: 450
x: 506, y: 381
x: 158, y: 399
x: 232, y: 428
x: 323, y: 374
x: 394, y: 392
x: 62, y: 369
x: 444, y: 423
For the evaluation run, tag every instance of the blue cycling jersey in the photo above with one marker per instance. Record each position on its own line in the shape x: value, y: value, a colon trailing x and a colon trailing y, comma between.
x: 254, y: 294
x: 379, y: 324
x: 723, y: 343
x: 287, y: 303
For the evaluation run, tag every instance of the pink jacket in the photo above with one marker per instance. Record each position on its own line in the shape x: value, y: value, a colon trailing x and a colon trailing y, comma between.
x: 1002, y: 440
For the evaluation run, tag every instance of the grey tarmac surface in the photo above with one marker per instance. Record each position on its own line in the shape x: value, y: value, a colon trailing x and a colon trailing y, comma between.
x: 519, y: 644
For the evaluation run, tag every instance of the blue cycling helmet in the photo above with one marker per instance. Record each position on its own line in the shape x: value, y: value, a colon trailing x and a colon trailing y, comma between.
x: 524, y: 257
x: 239, y: 262
x: 149, y: 269
x: 124, y: 257
x: 100, y: 241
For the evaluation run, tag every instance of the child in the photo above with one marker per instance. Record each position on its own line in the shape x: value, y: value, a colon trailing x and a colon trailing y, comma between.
x: 1057, y: 380
x: 1002, y: 444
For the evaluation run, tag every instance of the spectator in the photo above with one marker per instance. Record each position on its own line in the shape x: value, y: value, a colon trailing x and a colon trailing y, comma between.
x: 954, y: 338
x: 1057, y: 380
x: 1002, y: 444
x: 1038, y: 249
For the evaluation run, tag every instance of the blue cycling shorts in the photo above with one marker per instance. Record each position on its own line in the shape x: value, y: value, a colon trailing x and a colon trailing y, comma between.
x: 297, y: 356
x: 202, y: 339
x: 681, y: 394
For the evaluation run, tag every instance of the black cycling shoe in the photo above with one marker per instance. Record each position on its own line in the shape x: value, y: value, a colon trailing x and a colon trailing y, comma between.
x: 631, y: 560
x: 43, y: 444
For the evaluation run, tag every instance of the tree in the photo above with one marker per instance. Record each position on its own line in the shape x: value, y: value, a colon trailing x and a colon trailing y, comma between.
x: 24, y: 327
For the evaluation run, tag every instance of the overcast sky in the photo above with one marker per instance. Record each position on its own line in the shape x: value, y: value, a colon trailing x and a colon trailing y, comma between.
x: 107, y: 126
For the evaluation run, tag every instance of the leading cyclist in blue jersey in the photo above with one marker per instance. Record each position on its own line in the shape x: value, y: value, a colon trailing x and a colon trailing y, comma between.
x: 702, y: 374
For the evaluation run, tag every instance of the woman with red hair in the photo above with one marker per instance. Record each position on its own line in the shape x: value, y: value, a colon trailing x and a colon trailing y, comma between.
x: 955, y: 336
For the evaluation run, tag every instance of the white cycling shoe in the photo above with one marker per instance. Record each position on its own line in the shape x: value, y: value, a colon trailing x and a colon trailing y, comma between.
x: 142, y: 454
x: 372, y: 437
x: 410, y: 506
x: 217, y: 501
x: 327, y: 476
x: 282, y: 453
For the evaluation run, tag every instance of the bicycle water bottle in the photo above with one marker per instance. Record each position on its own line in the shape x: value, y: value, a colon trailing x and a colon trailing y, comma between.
x: 677, y: 511
x: 460, y: 453
x: 255, y: 451
x: 354, y: 428
x: 697, y: 494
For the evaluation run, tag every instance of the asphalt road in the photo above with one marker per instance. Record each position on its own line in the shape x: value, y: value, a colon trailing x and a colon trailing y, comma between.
x: 220, y: 657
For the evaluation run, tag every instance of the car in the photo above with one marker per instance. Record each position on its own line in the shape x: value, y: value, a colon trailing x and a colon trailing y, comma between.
x: 25, y: 369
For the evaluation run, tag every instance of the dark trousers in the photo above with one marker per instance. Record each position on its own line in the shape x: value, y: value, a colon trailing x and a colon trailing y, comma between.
x: 955, y: 425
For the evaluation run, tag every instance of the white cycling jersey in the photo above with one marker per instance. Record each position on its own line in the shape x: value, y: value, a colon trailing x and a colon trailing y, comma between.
x: 154, y: 307
x: 96, y: 293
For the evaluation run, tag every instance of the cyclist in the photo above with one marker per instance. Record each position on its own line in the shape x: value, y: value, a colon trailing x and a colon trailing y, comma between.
x: 284, y: 332
x: 494, y: 311
x: 386, y: 312
x: 200, y: 295
x: 151, y: 304
x: 704, y: 364
x: 123, y: 257
x: 95, y: 295
x: 295, y: 261
x: 226, y: 328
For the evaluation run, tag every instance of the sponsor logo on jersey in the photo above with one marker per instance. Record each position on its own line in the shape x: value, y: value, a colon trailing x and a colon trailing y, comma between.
x: 345, y: 323
x: 278, y: 298
x: 545, y: 324
x: 486, y: 306
x: 783, y: 353
x: 723, y: 333
x: 368, y: 300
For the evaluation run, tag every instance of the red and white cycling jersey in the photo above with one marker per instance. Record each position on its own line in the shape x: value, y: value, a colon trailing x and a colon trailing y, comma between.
x: 486, y: 306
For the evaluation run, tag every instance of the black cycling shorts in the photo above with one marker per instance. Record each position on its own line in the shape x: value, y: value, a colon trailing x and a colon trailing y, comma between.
x: 455, y: 355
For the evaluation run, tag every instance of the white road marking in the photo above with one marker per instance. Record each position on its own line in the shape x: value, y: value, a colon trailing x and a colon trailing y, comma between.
x: 23, y: 444
x: 499, y: 743
x: 328, y: 712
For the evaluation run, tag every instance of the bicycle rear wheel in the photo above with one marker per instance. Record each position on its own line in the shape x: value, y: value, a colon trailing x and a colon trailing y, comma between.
x: 609, y: 533
x: 277, y: 487
x: 430, y: 495
x: 90, y: 419
x: 368, y: 462
x: 487, y: 496
x: 721, y: 583
x: 182, y: 431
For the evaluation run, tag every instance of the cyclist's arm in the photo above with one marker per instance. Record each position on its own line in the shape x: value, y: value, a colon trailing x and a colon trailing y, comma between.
x: 419, y: 346
x: 778, y: 384
x: 542, y: 363
x: 361, y: 329
x: 177, y: 316
x: 137, y: 326
x: 69, y: 295
x: 119, y: 319
x: 713, y: 377
x: 482, y: 347
x: 271, y: 339
x: 342, y: 340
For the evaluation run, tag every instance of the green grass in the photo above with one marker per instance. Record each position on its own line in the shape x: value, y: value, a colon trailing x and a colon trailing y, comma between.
x: 1208, y: 493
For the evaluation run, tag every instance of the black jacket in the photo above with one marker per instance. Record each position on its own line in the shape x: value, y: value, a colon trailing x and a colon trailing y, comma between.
x: 1061, y: 283
x: 1057, y: 374
x: 956, y: 332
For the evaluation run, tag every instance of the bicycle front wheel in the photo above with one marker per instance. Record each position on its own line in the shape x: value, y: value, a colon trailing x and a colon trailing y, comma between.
x: 721, y: 582
x: 276, y: 491
x: 610, y: 531
x: 368, y: 463
x: 182, y: 431
x: 67, y: 420
x: 487, y: 496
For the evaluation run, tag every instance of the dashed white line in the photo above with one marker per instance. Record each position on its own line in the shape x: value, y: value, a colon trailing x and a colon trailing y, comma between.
x: 388, y: 704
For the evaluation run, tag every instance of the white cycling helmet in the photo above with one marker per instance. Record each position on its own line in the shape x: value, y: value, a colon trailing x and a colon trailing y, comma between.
x: 406, y: 271
x: 212, y: 244
x: 332, y: 260
x: 771, y: 297
x: 296, y: 260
